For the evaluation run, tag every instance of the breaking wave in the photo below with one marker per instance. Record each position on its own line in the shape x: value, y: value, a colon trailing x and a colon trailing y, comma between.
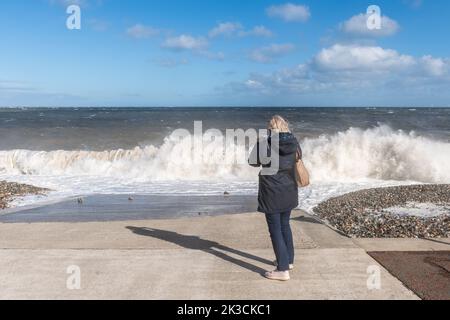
x: 379, y: 153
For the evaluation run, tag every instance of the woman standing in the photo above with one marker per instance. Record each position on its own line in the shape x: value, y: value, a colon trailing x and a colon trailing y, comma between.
x: 278, y: 193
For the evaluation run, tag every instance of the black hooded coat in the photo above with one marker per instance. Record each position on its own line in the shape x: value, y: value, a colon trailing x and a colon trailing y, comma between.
x: 278, y: 190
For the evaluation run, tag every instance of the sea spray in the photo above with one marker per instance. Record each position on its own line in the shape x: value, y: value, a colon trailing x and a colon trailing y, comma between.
x: 355, y: 155
x: 379, y: 153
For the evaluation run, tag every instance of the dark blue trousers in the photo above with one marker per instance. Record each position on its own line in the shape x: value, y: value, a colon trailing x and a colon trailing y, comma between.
x: 282, y: 241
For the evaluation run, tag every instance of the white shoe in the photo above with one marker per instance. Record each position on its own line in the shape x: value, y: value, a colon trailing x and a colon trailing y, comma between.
x: 291, y: 266
x: 278, y: 275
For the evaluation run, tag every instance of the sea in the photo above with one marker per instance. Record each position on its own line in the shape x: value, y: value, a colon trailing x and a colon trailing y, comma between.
x: 79, y: 152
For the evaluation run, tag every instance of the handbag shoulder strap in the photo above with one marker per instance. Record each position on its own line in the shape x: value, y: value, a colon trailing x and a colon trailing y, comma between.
x: 299, y: 155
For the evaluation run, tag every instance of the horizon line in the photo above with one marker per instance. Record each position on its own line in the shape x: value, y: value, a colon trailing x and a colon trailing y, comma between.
x: 222, y: 106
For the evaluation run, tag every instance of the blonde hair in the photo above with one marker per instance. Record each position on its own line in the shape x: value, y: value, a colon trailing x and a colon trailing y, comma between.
x: 279, y: 124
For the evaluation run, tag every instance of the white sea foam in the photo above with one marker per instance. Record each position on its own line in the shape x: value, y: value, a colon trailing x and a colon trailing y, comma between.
x: 174, y: 160
x: 424, y: 210
x: 340, y: 163
x: 379, y: 153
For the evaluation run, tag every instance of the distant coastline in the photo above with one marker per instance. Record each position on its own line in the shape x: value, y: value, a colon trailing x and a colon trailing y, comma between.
x: 231, y: 107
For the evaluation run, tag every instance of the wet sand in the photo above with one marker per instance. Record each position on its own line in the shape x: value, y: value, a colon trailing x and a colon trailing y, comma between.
x: 140, y: 207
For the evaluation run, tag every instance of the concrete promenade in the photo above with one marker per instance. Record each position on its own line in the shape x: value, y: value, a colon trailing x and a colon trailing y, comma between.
x: 219, y: 257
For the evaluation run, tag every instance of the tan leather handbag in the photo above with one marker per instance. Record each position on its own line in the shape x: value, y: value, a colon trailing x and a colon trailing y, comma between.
x: 302, y: 173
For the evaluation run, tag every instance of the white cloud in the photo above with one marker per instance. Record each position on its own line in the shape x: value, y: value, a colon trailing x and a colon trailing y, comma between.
x: 258, y: 31
x: 185, y: 42
x: 225, y: 29
x: 15, y: 86
x: 197, y: 45
x: 290, y: 12
x: 351, y: 69
x: 139, y: 31
x: 229, y: 29
x: 254, y: 84
x: 357, y: 25
x: 435, y: 66
x: 414, y: 3
x: 361, y: 58
x: 269, y: 53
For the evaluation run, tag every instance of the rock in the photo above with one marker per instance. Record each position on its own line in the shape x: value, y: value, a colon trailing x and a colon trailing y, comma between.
x: 361, y: 214
x: 9, y: 190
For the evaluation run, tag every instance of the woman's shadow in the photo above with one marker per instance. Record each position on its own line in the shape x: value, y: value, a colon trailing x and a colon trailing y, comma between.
x: 197, y: 243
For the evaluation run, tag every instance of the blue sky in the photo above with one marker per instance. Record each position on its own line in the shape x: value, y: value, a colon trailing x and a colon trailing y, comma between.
x: 224, y: 53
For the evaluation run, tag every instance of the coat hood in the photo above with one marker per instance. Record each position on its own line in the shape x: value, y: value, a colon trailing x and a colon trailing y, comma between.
x: 287, y: 143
